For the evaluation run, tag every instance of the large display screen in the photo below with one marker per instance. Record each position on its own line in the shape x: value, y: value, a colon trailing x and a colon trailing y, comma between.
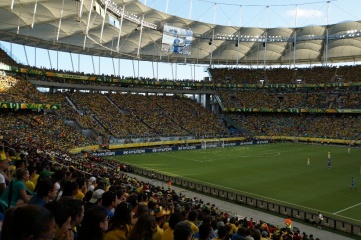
x: 177, y: 40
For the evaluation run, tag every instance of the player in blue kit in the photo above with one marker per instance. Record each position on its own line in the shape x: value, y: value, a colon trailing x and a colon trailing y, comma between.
x: 353, y: 184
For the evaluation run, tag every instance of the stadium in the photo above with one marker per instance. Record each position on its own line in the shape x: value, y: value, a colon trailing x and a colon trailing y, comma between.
x: 273, y: 123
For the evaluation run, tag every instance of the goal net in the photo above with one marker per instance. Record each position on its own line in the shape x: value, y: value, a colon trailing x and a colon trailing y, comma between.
x: 212, y: 143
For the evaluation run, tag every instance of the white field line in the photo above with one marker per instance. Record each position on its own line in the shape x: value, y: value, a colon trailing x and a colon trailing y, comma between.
x: 347, y: 208
x: 251, y: 194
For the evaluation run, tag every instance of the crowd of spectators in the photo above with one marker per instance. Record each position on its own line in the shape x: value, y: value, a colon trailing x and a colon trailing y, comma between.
x: 314, y: 75
x: 332, y: 126
x: 85, y: 197
x: 120, y: 115
x: 6, y: 59
x: 134, y: 115
x: 148, y: 112
x: 16, y: 89
x: 307, y: 98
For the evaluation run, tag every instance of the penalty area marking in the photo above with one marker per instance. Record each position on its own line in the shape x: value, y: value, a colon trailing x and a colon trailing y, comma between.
x: 347, y: 208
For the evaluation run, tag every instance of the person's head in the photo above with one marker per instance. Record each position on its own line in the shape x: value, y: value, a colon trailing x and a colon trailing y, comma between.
x: 174, y: 219
x: 28, y: 222
x: 45, y: 174
x: 58, y: 175
x: 144, y: 228
x: 4, y: 164
x: 182, y: 231
x: 122, y: 217
x: 142, y: 209
x: 94, y: 224
x: 192, y: 216
x: 20, y: 164
x: 97, y: 196
x: 88, y: 196
x: 92, y: 180
x: 222, y: 232
x: 76, y: 209
x: 62, y: 216
x: 204, y: 231
x: 133, y: 200
x: 22, y: 174
x: 46, y: 189
x: 109, y: 200
x: 70, y: 189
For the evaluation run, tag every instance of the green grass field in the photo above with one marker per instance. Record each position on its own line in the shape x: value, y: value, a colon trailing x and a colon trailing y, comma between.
x: 275, y: 172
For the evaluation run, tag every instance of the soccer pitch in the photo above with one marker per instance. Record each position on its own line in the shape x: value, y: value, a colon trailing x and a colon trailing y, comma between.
x: 276, y: 172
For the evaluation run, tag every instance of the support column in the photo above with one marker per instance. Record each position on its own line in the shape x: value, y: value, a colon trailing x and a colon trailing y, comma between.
x: 207, y: 102
x: 51, y: 65
x: 35, y: 56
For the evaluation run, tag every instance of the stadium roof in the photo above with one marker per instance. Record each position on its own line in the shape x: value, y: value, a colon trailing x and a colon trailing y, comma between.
x: 58, y: 25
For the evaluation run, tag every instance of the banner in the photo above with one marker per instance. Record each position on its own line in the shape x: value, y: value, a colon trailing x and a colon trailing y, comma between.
x: 173, y: 83
x: 292, y: 110
x: 29, y: 105
x: 168, y: 149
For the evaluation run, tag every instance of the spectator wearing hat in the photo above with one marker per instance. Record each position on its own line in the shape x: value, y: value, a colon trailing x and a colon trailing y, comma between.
x: 182, y: 231
x: 265, y: 235
x: 288, y: 223
x: 91, y: 183
x: 96, y: 199
x: 45, y: 174
x: 160, y: 215
x: 45, y: 192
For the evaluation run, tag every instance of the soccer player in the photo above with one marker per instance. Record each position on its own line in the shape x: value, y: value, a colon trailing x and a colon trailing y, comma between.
x: 353, y: 184
x: 176, y: 43
x: 349, y: 150
x: 329, y: 163
x: 329, y: 154
x: 308, y: 161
